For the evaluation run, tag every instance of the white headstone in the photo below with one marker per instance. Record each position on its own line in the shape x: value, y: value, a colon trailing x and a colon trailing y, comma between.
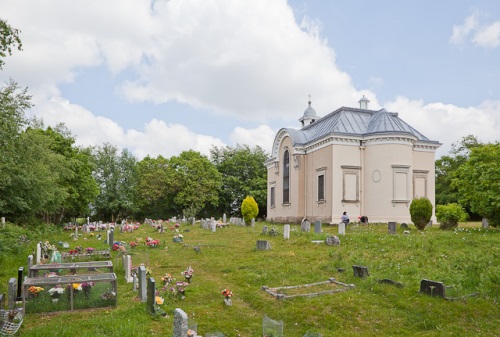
x: 3, y: 220
x: 342, y: 228
x: 286, y: 232
x: 76, y: 232
x: 38, y: 253
x: 224, y: 218
x: 253, y: 222
x: 128, y: 265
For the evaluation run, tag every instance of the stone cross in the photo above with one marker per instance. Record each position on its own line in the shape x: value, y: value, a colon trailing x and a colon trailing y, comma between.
x: 342, y: 228
x: 286, y: 232
x: 142, y: 284
x: 391, y: 227
x: 180, y: 323
x: 317, y: 226
x: 128, y: 264
x: 151, y: 297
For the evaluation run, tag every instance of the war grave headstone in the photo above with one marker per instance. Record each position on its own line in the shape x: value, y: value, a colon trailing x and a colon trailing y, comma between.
x: 286, y: 231
x: 317, y: 226
x: 342, y: 228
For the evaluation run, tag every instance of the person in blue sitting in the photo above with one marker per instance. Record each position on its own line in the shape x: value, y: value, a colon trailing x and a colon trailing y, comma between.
x: 345, y: 218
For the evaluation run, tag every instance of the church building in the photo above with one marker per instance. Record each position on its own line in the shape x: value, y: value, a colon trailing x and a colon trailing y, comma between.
x: 364, y: 162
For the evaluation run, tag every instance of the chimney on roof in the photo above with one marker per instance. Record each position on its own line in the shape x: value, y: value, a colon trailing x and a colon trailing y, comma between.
x: 363, y: 103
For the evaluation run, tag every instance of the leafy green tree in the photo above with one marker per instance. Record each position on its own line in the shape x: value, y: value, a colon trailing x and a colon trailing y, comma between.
x: 116, y: 176
x: 249, y: 209
x: 420, y: 212
x: 9, y: 38
x: 243, y: 173
x: 449, y: 215
x: 478, y: 182
x: 195, y: 180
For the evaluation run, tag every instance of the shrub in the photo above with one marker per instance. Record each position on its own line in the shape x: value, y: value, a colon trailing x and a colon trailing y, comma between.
x: 249, y: 209
x: 421, y: 212
x: 449, y: 215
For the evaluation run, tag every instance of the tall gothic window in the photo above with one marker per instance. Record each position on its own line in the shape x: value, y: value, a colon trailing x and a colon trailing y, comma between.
x: 286, y: 177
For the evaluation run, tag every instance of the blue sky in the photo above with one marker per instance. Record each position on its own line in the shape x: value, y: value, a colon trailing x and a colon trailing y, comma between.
x: 167, y: 76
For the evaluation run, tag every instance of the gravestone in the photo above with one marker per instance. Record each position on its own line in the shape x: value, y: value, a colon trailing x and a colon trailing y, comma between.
x: 224, y: 218
x: 263, y: 245
x: 111, y: 238
x: 360, y: 271
x: 286, y: 231
x: 19, y: 296
x: 12, y: 292
x: 271, y: 327
x: 193, y: 221
x: 38, y: 253
x: 134, y: 282
x: 305, y: 226
x: 30, y: 265
x: 317, y: 226
x: 391, y: 227
x: 264, y: 229
x: 76, y: 232
x: 128, y: 265
x: 485, y: 223
x: 342, y: 228
x: 253, y: 222
x: 214, y: 225
x: 433, y: 288
x: 404, y: 225
x: 332, y: 240
x: 3, y: 221
x: 151, y: 297
x: 243, y: 224
x: 142, y: 284
x: 180, y: 323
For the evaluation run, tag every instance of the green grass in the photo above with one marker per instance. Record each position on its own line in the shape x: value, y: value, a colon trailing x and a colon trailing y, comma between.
x: 467, y: 259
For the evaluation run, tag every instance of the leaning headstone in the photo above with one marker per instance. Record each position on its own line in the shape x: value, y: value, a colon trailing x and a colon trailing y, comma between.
x: 180, y: 323
x: 286, y: 231
x: 332, y: 240
x: 142, y: 284
x: 485, y: 223
x: 360, y: 271
x: 271, y: 327
x: 433, y: 288
x: 38, y: 253
x: 253, y: 222
x: 127, y: 265
x: 263, y: 245
x: 151, y: 297
x: 305, y: 226
x: 11, y: 297
x: 391, y: 227
x: 317, y: 226
x: 342, y: 228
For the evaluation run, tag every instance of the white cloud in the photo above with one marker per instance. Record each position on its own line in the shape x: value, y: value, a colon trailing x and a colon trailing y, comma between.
x: 448, y: 123
x: 262, y: 136
x: 482, y: 35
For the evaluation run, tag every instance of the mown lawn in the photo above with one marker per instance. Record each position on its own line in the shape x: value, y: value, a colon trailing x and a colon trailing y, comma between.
x: 467, y: 260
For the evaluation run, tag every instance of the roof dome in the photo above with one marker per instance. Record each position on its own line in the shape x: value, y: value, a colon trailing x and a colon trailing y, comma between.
x: 310, y: 112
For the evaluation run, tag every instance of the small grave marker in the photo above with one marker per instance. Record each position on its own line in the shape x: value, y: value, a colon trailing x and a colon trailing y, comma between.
x: 360, y: 271
x: 264, y: 229
x: 433, y: 288
x: 305, y: 226
x: 332, y: 240
x: 263, y: 245
x: 342, y: 228
x: 391, y: 227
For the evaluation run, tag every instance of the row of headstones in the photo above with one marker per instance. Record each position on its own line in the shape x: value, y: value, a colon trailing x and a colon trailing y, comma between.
x: 241, y: 221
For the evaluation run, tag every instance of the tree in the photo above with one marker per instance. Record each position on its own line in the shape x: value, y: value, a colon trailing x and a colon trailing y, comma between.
x: 478, y: 182
x: 249, y: 209
x: 9, y: 38
x: 421, y: 212
x: 116, y: 176
x: 243, y: 173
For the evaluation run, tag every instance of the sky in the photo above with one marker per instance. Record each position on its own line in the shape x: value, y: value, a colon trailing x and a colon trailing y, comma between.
x: 165, y: 76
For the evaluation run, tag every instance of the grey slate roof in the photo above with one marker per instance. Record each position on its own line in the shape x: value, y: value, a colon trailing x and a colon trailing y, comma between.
x: 355, y: 122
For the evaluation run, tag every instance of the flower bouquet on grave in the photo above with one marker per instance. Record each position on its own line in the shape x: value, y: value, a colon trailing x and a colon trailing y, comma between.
x: 86, y: 287
x: 177, y: 238
x: 56, y: 293
x: 188, y: 274
x: 167, y: 279
x: 34, y: 291
x: 227, y: 296
x: 179, y: 290
x: 79, y: 249
x: 89, y: 250
x: 152, y: 242
x: 76, y: 288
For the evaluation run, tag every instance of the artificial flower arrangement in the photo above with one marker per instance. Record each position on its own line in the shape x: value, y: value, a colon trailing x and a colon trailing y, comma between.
x: 33, y: 290
x: 46, y: 248
x: 76, y: 287
x: 167, y: 279
x: 159, y: 300
x: 86, y: 287
x: 89, y: 250
x: 152, y: 242
x: 179, y: 289
x: 177, y: 238
x: 79, y: 249
x: 56, y: 292
x: 227, y: 293
x: 188, y: 273
x: 133, y: 244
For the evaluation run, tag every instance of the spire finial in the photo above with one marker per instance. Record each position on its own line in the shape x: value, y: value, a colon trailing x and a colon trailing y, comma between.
x: 309, y: 99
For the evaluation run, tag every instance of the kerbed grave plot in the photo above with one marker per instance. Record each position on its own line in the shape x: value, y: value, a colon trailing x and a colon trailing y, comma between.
x: 308, y: 290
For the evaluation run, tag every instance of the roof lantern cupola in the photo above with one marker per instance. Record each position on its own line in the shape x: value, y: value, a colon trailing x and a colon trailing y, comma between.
x: 363, y: 103
x: 309, y: 116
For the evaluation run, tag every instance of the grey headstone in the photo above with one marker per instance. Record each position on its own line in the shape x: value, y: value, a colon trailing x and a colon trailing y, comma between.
x: 180, y: 323
x: 224, y: 218
x: 135, y: 282
x: 193, y: 221
x: 286, y: 231
x: 3, y: 220
x: 142, y: 284
x: 11, y: 297
x: 305, y: 226
x: 76, y: 232
x: 391, y: 227
x: 360, y: 271
x: 433, y: 288
x: 404, y: 225
x: 332, y: 240
x: 485, y: 223
x: 317, y: 226
x: 111, y: 238
x: 342, y: 228
x: 151, y: 295
x: 264, y: 229
x: 263, y: 245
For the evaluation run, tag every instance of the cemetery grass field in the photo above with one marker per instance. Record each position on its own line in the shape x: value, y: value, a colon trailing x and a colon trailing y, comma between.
x: 466, y: 259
